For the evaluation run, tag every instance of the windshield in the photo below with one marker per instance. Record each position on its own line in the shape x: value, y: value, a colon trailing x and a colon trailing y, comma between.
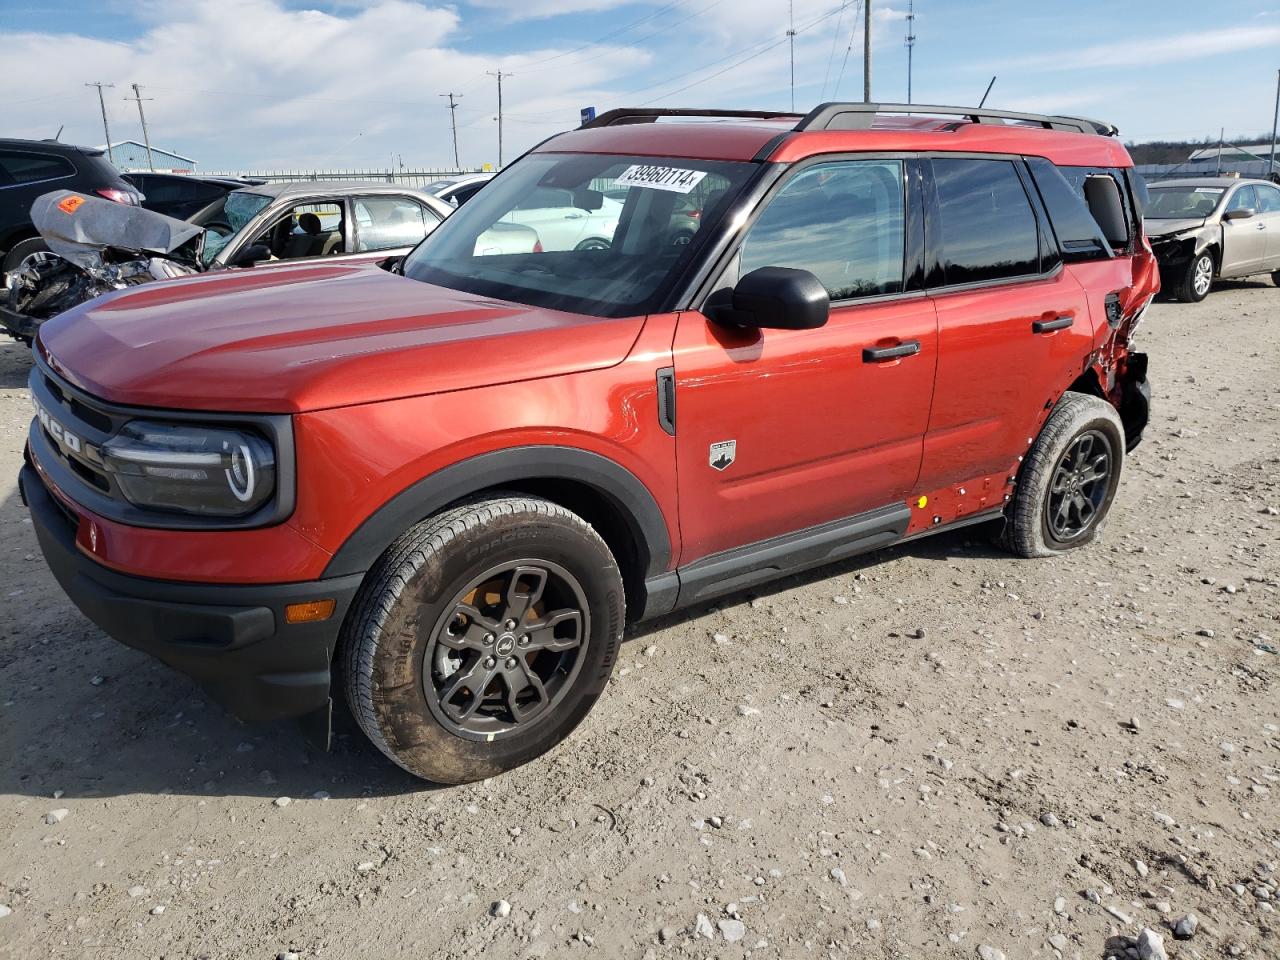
x: 605, y: 236
x: 238, y: 208
x: 1182, y: 203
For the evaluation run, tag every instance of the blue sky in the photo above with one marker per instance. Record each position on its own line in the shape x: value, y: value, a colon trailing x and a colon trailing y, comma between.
x: 281, y: 84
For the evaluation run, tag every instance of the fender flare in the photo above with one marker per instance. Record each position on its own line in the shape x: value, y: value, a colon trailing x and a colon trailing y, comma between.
x: 618, y: 485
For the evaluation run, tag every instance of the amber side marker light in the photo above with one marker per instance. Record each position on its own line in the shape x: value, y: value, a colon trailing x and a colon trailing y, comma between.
x: 309, y: 612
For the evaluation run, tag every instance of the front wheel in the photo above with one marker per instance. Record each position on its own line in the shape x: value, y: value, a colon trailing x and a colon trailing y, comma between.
x: 1193, y: 286
x: 482, y: 637
x: 1068, y: 480
x: 20, y: 251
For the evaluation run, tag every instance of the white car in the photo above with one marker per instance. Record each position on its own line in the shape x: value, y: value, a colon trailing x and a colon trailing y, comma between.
x: 563, y: 226
x: 458, y: 190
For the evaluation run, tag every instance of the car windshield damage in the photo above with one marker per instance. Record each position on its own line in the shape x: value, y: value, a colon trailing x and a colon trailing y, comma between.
x: 1182, y: 203
x: 239, y: 208
x: 607, y: 236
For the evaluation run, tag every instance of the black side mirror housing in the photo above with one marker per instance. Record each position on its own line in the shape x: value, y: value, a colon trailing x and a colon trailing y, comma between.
x: 1244, y: 213
x: 251, y: 255
x: 584, y: 198
x: 1103, y: 198
x: 779, y: 298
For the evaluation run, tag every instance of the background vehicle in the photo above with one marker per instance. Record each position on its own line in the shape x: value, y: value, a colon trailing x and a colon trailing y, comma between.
x: 183, y: 196
x: 453, y: 480
x: 458, y: 190
x: 564, y: 223
x: 1207, y: 228
x: 29, y: 168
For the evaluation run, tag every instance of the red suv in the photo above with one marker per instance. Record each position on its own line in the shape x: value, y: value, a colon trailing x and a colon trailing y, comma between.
x: 447, y: 482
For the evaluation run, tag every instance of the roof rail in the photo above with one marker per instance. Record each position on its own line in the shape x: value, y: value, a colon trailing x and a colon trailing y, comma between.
x: 649, y: 115
x: 861, y: 116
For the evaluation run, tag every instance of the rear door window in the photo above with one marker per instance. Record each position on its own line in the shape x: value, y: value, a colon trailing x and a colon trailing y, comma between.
x: 844, y: 222
x: 383, y: 223
x: 19, y: 167
x: 988, y: 229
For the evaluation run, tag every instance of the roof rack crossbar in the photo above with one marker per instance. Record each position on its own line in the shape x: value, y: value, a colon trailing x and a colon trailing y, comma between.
x: 651, y: 114
x: 861, y: 116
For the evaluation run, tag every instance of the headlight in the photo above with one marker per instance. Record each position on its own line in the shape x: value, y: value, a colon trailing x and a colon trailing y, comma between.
x: 208, y: 471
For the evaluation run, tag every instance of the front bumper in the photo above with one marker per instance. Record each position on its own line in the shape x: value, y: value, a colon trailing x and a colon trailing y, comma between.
x: 234, y: 640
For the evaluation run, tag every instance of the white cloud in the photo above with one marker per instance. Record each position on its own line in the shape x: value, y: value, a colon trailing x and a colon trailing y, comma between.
x: 249, y: 83
x: 539, y: 9
x: 1151, y: 51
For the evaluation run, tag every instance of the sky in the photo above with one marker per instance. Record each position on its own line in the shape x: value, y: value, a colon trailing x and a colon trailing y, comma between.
x: 327, y: 84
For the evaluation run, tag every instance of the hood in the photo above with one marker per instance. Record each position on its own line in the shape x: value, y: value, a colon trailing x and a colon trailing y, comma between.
x: 78, y: 227
x: 1162, y: 228
x: 290, y: 339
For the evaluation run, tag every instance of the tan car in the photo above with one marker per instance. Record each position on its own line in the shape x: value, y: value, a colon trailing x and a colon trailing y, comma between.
x: 1213, y: 228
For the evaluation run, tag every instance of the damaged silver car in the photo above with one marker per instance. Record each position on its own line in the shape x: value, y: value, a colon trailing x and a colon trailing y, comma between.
x: 1204, y: 229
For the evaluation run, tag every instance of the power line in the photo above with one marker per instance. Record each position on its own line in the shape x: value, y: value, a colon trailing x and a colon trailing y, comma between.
x: 103, y: 104
x: 853, y: 33
x: 835, y: 39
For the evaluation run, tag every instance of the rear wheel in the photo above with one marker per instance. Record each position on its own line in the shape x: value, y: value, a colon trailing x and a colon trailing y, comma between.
x: 20, y: 251
x: 1197, y: 279
x: 593, y: 243
x: 482, y: 637
x: 1068, y: 480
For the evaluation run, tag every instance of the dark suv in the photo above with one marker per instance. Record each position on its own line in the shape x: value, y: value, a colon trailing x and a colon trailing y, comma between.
x: 444, y: 483
x: 30, y: 168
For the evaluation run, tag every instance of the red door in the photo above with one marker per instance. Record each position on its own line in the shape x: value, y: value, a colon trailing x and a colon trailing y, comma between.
x: 778, y: 430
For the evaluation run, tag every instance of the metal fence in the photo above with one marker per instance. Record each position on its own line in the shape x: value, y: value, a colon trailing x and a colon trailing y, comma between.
x: 405, y: 177
x: 1205, y: 168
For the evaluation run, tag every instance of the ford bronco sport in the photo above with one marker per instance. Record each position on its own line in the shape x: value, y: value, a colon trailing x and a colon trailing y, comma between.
x: 444, y: 484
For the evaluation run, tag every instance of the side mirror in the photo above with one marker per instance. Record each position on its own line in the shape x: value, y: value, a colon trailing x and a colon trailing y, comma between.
x: 1243, y: 213
x: 585, y: 198
x: 251, y: 255
x: 779, y: 298
x: 1103, y: 197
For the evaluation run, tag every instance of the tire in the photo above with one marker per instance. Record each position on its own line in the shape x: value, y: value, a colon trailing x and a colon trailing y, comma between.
x: 20, y: 251
x: 1197, y: 279
x: 1034, y: 526
x: 1275, y: 277
x: 408, y: 646
x: 594, y: 243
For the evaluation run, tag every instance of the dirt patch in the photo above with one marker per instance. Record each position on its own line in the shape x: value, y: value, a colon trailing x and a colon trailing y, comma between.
x: 917, y: 754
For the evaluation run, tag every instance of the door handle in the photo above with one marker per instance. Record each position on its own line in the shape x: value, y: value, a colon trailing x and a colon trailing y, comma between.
x: 908, y: 348
x: 1261, y: 226
x: 1055, y: 323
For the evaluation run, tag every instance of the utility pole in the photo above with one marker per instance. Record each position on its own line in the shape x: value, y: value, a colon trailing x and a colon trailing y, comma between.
x: 146, y: 138
x: 453, y: 121
x: 1275, y: 119
x: 911, y: 41
x: 791, y: 39
x: 866, y: 53
x: 103, y: 104
x: 1222, y: 135
x: 499, y: 74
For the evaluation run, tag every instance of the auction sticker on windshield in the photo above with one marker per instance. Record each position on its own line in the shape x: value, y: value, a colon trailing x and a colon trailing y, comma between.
x: 659, y: 178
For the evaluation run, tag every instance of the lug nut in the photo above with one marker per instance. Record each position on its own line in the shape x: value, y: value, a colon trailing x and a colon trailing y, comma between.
x: 489, y: 663
x: 488, y: 638
x: 511, y: 624
x: 511, y: 663
x: 524, y: 641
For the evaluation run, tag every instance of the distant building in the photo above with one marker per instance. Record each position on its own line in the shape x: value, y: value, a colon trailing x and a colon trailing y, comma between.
x: 130, y: 156
x: 1232, y: 153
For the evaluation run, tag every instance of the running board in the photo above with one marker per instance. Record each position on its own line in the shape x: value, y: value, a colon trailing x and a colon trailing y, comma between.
x: 791, y: 553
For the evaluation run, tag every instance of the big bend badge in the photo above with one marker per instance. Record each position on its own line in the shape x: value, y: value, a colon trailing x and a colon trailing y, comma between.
x: 723, y: 454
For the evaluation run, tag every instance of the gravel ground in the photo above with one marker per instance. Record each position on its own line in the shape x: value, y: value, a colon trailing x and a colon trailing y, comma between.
x: 937, y: 751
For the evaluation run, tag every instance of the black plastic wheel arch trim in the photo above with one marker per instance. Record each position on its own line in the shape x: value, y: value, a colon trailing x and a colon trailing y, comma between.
x: 624, y: 491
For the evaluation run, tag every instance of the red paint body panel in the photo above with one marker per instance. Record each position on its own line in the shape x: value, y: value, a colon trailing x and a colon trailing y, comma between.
x: 307, y: 338
x: 820, y: 434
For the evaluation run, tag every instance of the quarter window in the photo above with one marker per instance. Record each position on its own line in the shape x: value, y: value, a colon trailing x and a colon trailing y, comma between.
x: 16, y: 167
x: 842, y: 221
x: 988, y: 227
